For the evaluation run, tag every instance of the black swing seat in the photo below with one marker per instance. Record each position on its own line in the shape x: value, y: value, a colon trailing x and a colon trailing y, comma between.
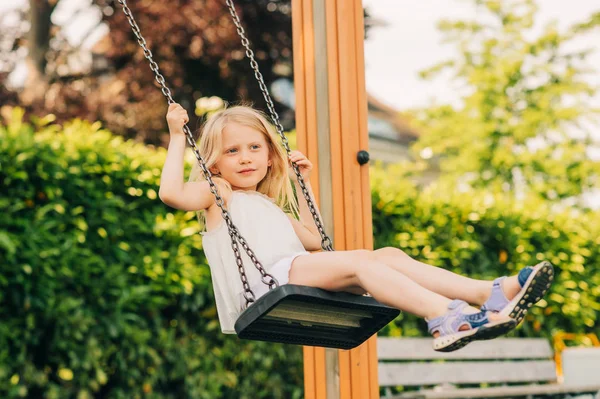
x: 300, y: 315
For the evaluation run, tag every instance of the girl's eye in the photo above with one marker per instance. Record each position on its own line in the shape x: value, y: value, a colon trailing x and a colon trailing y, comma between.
x: 255, y: 147
x: 231, y: 150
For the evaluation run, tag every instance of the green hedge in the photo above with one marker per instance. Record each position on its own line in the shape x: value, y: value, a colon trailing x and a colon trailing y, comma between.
x: 486, y: 235
x: 104, y: 291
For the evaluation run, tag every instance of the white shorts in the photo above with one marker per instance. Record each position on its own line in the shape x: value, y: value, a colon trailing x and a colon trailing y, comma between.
x: 280, y: 270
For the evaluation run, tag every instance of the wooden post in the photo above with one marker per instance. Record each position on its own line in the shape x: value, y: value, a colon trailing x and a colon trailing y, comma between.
x: 331, y: 122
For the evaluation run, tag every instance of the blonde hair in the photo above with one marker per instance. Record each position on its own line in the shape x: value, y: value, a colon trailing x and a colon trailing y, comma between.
x: 276, y: 183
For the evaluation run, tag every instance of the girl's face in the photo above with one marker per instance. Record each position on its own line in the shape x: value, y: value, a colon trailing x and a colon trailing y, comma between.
x: 244, y: 158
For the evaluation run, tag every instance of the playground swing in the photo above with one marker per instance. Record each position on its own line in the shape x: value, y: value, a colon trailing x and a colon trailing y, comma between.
x: 289, y: 313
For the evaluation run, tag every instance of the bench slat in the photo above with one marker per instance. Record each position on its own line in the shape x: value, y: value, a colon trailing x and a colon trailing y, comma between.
x: 416, y: 374
x: 499, y: 392
x: 389, y: 348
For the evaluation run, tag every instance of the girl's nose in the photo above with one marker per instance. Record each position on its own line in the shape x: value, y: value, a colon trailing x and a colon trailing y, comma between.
x: 244, y: 158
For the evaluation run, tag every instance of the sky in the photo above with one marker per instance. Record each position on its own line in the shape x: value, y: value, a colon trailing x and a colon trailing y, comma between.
x: 394, y: 54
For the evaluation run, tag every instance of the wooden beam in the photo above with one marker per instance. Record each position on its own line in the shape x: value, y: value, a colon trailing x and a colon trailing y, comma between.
x: 315, y: 383
x: 329, y: 77
x: 350, y: 181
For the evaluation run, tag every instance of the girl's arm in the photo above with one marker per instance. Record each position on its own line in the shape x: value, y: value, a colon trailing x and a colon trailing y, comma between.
x: 305, y: 228
x: 191, y: 196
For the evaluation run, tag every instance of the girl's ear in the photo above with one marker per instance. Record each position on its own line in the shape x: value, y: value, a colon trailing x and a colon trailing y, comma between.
x: 214, y: 171
x: 269, y: 163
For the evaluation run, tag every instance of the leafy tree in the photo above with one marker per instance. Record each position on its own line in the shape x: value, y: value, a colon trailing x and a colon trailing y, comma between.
x: 194, y: 42
x: 524, y: 122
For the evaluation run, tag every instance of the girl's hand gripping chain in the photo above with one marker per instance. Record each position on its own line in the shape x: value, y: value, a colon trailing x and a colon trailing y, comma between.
x: 177, y: 116
x: 304, y: 165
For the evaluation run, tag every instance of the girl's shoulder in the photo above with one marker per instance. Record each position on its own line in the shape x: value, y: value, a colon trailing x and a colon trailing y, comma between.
x: 223, y: 188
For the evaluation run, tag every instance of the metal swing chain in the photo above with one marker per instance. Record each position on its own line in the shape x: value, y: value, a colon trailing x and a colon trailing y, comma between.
x: 234, y: 233
x: 326, y: 243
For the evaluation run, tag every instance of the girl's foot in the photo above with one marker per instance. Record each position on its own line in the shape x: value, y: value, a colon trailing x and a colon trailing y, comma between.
x: 531, y: 284
x: 456, y: 328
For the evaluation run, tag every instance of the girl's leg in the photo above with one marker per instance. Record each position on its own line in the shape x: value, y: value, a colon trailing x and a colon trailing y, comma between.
x: 442, y: 281
x: 452, y: 323
x: 345, y: 270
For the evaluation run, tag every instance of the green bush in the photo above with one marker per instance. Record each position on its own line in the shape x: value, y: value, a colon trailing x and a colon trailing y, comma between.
x: 485, y: 235
x: 104, y: 291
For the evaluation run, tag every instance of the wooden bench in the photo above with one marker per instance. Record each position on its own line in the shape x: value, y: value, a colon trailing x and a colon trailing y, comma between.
x: 508, y: 367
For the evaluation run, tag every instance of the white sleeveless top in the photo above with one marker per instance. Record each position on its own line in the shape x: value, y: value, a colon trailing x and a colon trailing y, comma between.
x: 268, y: 232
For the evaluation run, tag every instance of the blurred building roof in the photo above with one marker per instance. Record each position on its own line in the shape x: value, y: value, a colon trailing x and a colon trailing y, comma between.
x: 386, y: 122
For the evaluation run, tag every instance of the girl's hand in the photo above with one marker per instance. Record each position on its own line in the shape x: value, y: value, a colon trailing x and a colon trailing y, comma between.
x: 304, y: 165
x: 176, y: 118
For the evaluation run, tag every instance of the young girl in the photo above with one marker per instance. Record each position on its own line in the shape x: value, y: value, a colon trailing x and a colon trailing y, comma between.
x: 251, y: 172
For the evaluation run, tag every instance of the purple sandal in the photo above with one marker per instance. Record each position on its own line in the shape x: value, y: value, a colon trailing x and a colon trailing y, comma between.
x: 535, y: 283
x: 452, y: 338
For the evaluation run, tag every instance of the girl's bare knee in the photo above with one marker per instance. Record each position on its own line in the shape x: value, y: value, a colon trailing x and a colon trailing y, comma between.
x: 390, y: 251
